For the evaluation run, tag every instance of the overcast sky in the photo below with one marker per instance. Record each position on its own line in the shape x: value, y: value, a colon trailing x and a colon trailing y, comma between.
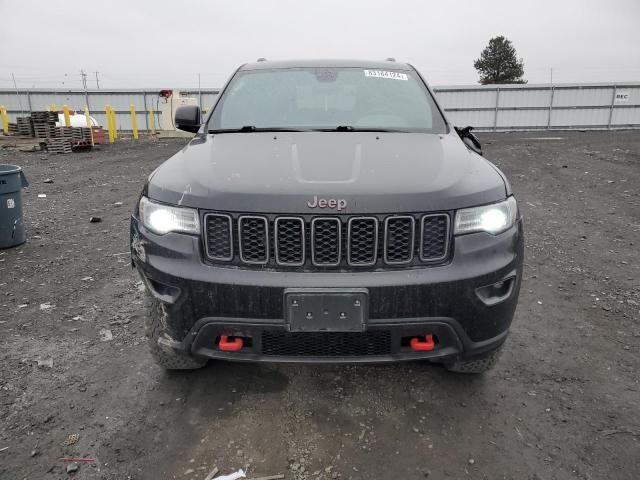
x: 167, y: 43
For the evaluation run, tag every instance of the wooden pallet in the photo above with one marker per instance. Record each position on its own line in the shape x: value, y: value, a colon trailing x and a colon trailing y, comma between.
x: 44, y: 130
x: 25, y: 127
x: 86, y: 134
x: 64, y: 132
x: 72, y: 133
x: 76, y: 134
x: 59, y: 146
x: 44, y: 117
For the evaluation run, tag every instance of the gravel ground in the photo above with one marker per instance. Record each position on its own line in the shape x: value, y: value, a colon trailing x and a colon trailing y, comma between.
x: 76, y: 378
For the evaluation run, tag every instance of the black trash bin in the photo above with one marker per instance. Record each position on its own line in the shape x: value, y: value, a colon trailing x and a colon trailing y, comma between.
x: 12, y: 181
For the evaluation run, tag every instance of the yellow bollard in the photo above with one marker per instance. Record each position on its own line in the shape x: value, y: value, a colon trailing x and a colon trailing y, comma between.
x: 67, y: 118
x: 114, y: 125
x: 88, y: 120
x: 114, y: 122
x: 107, y: 120
x: 5, y: 120
x: 109, y: 124
x: 134, y: 122
x: 54, y: 108
x: 152, y: 121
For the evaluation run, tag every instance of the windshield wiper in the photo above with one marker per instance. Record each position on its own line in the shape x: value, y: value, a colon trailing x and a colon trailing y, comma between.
x: 350, y: 128
x: 339, y: 128
x: 253, y: 128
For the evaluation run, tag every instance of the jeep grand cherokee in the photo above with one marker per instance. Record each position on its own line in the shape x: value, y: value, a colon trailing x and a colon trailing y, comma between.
x: 327, y: 211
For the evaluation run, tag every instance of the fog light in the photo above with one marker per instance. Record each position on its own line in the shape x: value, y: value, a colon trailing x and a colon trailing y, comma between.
x: 497, y: 292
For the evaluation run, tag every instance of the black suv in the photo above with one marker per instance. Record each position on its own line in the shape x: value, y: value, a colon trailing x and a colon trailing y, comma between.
x: 327, y: 211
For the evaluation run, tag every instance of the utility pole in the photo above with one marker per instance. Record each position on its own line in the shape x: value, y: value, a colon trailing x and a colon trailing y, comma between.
x: 97, y: 81
x: 551, y: 76
x: 84, y: 85
x: 84, y: 79
x: 15, y: 85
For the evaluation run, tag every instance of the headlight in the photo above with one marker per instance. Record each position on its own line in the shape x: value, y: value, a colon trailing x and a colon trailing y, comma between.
x: 163, y: 219
x: 494, y: 218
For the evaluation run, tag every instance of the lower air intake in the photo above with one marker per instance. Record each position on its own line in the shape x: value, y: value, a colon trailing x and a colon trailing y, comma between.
x: 326, y: 344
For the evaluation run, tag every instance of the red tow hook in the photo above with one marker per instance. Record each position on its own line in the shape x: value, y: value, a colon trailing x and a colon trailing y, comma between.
x: 230, y: 346
x: 423, y: 345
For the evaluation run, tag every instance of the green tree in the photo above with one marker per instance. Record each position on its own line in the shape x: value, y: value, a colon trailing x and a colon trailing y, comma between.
x: 498, y: 63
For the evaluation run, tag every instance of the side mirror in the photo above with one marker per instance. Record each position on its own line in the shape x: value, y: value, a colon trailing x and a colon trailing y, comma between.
x: 188, y: 118
x: 469, y: 139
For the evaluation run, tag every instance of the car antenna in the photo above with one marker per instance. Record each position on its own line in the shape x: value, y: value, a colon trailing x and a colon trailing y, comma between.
x: 390, y: 59
x: 261, y: 59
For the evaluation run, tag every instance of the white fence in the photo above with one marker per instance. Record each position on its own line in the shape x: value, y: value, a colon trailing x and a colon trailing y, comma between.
x: 531, y: 107
x: 25, y: 101
x: 491, y: 107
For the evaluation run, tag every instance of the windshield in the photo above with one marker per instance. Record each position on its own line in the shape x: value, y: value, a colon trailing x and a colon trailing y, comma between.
x: 327, y: 99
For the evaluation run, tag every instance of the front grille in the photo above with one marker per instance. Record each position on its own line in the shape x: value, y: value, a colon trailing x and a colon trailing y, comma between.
x: 326, y: 242
x: 345, y: 242
x: 253, y: 239
x: 434, y: 231
x: 363, y: 241
x: 218, y: 236
x: 326, y: 344
x: 399, y: 234
x: 290, y: 241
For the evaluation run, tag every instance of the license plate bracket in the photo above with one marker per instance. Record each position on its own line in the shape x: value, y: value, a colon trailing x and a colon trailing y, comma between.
x: 326, y: 310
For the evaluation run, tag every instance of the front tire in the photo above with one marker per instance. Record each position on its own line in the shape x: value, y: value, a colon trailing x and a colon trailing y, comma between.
x: 476, y: 365
x: 166, y: 357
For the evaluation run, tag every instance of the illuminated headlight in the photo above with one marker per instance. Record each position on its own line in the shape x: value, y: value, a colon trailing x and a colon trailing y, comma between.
x: 494, y: 218
x: 163, y: 219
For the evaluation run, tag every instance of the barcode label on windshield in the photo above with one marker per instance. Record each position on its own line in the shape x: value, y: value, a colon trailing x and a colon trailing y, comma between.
x: 386, y: 74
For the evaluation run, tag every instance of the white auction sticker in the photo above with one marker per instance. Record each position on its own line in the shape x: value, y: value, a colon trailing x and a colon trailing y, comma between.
x: 11, y: 203
x: 386, y: 74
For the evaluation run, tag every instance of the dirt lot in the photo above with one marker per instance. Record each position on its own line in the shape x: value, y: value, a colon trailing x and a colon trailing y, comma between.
x: 563, y: 402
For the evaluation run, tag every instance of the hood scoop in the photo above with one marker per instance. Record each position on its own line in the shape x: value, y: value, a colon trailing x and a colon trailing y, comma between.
x: 310, y: 170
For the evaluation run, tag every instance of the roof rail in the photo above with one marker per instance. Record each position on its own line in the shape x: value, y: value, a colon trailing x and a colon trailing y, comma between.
x: 261, y: 59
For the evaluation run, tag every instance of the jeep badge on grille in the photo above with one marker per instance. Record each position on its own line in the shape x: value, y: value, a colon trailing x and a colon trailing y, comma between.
x: 337, y: 203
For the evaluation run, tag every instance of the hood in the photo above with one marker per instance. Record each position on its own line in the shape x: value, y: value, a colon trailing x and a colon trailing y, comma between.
x: 362, y: 172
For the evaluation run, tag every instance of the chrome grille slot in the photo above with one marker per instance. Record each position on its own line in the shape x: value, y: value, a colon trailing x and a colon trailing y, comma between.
x: 434, y: 237
x: 399, y: 238
x: 253, y: 239
x: 218, y: 238
x: 326, y: 241
x: 290, y: 241
x: 362, y: 241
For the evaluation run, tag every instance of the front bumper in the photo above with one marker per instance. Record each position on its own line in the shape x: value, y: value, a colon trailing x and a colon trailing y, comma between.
x: 203, y: 302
